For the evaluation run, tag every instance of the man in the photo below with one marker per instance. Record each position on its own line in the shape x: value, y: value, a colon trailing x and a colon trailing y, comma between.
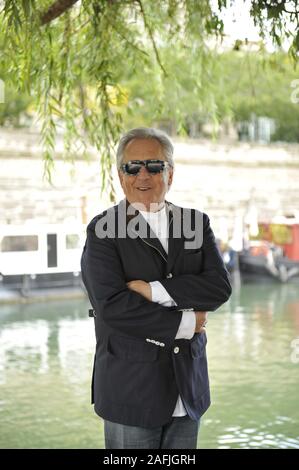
x: 152, y: 270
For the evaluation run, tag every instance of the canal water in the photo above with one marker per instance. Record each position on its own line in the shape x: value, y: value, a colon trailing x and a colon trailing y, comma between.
x: 46, y: 354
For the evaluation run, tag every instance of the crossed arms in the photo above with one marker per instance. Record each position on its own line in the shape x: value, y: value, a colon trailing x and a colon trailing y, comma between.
x: 188, y: 326
x: 126, y: 308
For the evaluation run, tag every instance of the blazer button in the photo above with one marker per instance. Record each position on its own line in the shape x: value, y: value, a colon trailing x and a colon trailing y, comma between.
x: 176, y: 349
x: 169, y: 275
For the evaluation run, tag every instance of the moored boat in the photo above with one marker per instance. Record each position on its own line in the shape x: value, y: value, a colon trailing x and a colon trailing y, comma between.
x: 274, y: 252
x: 37, y: 256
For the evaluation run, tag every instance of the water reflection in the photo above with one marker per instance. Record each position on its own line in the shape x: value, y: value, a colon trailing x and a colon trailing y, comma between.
x: 254, y: 382
x: 24, y: 347
x: 75, y: 340
x: 46, y: 360
x: 257, y: 438
x: 58, y: 336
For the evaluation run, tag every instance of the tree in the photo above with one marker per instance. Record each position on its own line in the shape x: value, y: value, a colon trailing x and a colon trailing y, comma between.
x: 253, y: 83
x: 70, y: 57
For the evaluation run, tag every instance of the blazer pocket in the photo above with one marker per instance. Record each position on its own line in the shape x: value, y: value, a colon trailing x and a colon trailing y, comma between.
x: 192, y: 261
x: 132, y: 350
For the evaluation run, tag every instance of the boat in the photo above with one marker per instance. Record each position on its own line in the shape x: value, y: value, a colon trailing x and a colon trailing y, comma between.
x: 273, y: 252
x: 40, y: 256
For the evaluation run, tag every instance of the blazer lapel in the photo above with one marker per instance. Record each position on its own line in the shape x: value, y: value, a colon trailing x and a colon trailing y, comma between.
x: 138, y: 226
x: 152, y: 239
x: 175, y: 234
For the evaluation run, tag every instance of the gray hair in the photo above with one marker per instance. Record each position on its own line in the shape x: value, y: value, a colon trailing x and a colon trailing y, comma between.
x: 145, y: 133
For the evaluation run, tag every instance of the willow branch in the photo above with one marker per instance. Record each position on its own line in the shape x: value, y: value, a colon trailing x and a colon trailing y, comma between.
x: 130, y: 43
x: 56, y: 9
x: 148, y: 28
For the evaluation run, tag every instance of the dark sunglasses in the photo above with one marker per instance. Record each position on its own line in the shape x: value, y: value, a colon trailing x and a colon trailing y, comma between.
x: 153, y: 166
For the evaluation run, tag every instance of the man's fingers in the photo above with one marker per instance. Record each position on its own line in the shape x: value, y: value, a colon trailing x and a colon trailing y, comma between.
x: 131, y: 285
x: 201, y: 321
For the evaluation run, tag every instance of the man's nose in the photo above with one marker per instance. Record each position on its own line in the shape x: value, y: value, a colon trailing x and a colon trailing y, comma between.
x: 143, y: 173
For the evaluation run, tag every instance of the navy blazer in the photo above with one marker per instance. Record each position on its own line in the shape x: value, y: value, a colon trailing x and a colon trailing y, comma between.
x: 139, y: 366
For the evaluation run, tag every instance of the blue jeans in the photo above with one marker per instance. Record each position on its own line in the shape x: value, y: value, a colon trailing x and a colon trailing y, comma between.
x: 178, y: 433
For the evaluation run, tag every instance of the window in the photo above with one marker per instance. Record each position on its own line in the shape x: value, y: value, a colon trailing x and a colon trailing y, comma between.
x: 19, y: 243
x: 72, y: 241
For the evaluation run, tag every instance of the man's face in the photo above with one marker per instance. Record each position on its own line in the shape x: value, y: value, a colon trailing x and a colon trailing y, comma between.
x: 145, y: 188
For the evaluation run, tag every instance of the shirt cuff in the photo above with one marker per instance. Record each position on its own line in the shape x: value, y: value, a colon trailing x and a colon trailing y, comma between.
x: 188, y: 322
x: 187, y: 326
x: 160, y: 294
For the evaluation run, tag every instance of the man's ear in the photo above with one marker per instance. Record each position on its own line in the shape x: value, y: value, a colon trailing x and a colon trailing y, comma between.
x: 120, y: 175
x: 170, y: 177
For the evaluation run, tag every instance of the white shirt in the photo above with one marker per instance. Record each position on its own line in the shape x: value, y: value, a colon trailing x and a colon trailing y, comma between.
x: 158, y: 223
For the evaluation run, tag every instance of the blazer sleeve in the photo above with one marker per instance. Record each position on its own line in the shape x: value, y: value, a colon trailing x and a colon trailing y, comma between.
x: 207, y: 290
x: 117, y: 305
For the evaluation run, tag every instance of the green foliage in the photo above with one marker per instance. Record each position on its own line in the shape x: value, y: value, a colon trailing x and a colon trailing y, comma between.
x: 74, y: 62
x: 260, y: 84
x: 14, y: 108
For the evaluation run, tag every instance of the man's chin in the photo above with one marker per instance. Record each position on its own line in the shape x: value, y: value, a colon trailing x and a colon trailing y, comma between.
x: 147, y: 205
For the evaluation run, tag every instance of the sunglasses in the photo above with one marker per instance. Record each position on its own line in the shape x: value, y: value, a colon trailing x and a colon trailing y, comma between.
x: 153, y: 166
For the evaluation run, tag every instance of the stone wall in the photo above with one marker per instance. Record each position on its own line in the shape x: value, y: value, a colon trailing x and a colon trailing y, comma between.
x: 221, y: 179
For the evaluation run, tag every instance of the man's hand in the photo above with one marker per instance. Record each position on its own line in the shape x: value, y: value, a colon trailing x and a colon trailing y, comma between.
x: 144, y: 289
x: 201, y: 320
x: 141, y: 287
